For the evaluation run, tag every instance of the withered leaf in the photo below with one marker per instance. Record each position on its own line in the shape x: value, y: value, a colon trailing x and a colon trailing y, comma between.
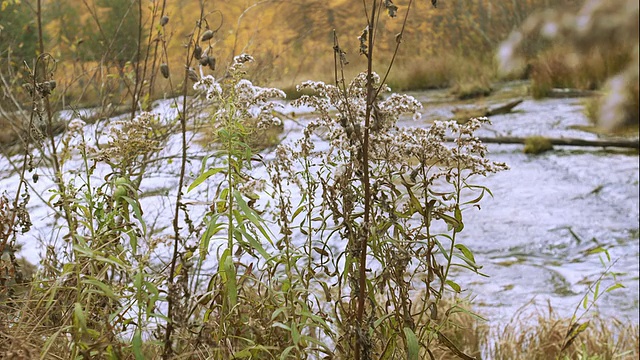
x: 363, y: 41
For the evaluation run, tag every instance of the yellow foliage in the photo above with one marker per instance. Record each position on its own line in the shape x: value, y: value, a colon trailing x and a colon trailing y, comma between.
x: 293, y: 41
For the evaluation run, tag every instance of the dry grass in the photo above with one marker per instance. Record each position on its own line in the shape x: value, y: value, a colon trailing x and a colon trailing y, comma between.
x: 542, y: 336
x: 533, y: 334
x: 557, y: 67
x: 471, y: 89
x: 442, y: 71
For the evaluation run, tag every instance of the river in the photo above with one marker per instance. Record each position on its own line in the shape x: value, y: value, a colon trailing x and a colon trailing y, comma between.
x: 533, y: 238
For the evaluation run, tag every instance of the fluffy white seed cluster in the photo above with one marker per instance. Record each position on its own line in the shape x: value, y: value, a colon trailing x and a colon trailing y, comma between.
x: 345, y: 130
x: 76, y: 125
x: 209, y: 86
x: 130, y: 139
x: 445, y: 149
x: 250, y: 101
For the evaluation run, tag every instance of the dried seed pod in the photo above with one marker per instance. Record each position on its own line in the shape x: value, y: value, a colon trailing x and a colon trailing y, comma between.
x: 211, y: 62
x: 46, y: 87
x: 164, y: 20
x: 197, y: 52
x: 164, y: 69
x: 204, y: 61
x: 207, y: 35
x: 192, y: 75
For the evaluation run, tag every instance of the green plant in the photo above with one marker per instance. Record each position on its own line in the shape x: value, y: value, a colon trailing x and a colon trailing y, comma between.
x: 537, y: 145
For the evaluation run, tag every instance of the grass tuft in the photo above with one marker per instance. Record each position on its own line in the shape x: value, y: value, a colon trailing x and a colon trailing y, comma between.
x: 537, y: 145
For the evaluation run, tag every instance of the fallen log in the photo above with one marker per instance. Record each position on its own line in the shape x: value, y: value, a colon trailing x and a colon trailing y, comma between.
x: 463, y: 115
x: 504, y: 109
x: 621, y: 143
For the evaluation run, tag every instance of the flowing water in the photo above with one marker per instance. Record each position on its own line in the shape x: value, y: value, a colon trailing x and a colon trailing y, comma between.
x: 548, y: 211
x: 533, y: 237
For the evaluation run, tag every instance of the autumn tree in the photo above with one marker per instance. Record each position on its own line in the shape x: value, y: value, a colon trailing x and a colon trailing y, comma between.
x: 18, y: 34
x: 114, y: 33
x: 63, y: 26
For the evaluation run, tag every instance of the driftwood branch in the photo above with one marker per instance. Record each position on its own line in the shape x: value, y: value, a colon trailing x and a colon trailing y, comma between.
x: 621, y: 143
x: 504, y: 109
x: 464, y: 114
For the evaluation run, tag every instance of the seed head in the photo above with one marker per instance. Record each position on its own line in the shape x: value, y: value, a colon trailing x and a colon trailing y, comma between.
x: 207, y: 35
x: 164, y: 69
x: 197, y: 52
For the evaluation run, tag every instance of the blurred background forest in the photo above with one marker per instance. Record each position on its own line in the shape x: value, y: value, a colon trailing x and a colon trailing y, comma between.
x: 291, y: 40
x: 100, y: 47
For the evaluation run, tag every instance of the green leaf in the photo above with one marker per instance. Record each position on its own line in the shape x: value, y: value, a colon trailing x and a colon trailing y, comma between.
x: 152, y: 288
x: 213, y: 227
x: 466, y: 252
x: 281, y: 325
x: 574, y: 331
x: 295, y: 334
x: 468, y: 256
x: 286, y: 352
x: 470, y: 268
x: 286, y: 285
x: 244, y: 353
x: 317, y: 342
x: 452, y: 222
x: 476, y: 200
x: 138, y: 212
x: 380, y: 320
x: 232, y: 287
x: 252, y: 215
x: 413, y: 349
x: 297, y: 212
x: 255, y: 244
x: 444, y: 251
x: 204, y: 176
x: 80, y: 319
x: 277, y: 312
x: 203, y: 163
x: 454, y: 286
x: 598, y: 250
x: 580, y: 329
x: 137, y: 345
x: 104, y: 288
x: 614, y: 286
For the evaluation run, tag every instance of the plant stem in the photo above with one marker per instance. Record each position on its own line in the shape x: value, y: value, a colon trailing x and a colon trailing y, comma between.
x: 182, y: 116
x: 362, y: 283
